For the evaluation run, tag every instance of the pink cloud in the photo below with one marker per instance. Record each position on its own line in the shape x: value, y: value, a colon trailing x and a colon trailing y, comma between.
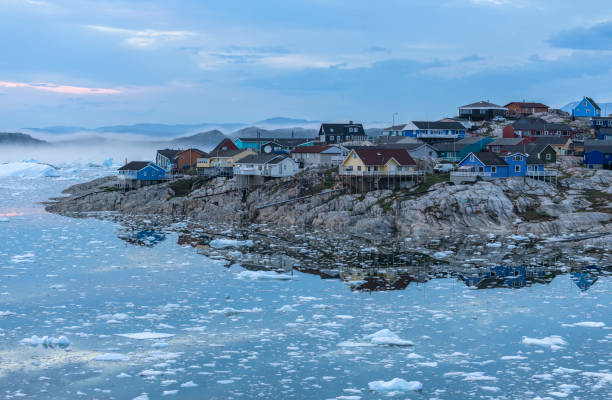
x: 65, y: 89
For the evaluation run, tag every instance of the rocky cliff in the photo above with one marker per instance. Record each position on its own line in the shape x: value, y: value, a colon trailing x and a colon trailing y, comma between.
x: 581, y: 203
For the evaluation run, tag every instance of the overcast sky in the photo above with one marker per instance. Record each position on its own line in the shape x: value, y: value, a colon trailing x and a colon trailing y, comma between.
x: 92, y: 63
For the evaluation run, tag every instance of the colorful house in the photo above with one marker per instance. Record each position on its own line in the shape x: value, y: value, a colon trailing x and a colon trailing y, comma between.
x: 319, y: 155
x: 498, y: 145
x: 604, y: 134
x: 273, y: 145
x: 482, y: 111
x: 166, y: 159
x: 457, y: 150
x: 221, y: 162
x: 598, y: 123
x: 188, y: 159
x: 378, y: 161
x: 486, y: 165
x: 266, y: 165
x: 341, y: 133
x: 597, y: 154
x: 525, y: 108
x: 428, y: 130
x: 225, y: 144
x: 141, y: 172
x: 586, y: 108
x: 528, y: 126
x: 543, y: 151
x: 560, y: 144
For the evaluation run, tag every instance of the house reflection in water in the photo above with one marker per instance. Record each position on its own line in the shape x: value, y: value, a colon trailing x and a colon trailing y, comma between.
x: 148, y: 238
x: 376, y: 279
x: 586, y: 277
x: 509, y: 277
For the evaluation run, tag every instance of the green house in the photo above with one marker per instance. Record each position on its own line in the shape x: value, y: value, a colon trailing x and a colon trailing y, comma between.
x: 457, y: 151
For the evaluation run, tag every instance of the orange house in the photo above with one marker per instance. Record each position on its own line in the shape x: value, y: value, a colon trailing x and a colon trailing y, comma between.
x: 188, y: 159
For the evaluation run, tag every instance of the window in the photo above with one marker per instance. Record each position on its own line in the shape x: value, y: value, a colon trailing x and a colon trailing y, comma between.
x: 548, y: 156
x: 332, y: 138
x: 331, y: 130
x: 359, y: 168
x: 517, y: 158
x: 493, y: 169
x: 472, y: 157
x: 517, y: 168
x: 354, y: 155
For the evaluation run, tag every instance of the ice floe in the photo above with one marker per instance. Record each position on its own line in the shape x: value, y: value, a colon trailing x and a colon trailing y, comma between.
x: 145, y: 335
x: 225, y: 243
x: 262, y: 275
x: 395, y: 385
x: 553, y: 342
x: 387, y: 337
x: 46, y: 341
x: 111, y: 357
x: 229, y: 311
x: 586, y: 324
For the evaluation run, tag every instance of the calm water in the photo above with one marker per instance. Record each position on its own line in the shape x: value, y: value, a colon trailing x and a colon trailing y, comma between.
x: 237, y: 336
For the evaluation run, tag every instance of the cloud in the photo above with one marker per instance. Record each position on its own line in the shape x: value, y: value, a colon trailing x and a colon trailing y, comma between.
x: 64, y: 89
x: 596, y: 37
x: 267, y: 57
x: 142, y: 38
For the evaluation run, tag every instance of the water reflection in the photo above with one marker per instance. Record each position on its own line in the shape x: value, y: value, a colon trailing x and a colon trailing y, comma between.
x: 147, y: 237
x: 587, y: 277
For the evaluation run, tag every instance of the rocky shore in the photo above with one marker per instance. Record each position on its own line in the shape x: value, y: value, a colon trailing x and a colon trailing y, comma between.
x: 578, y: 210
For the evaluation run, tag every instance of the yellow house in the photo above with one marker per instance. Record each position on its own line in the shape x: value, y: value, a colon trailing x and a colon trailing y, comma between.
x: 225, y: 158
x: 378, y: 160
x: 560, y: 144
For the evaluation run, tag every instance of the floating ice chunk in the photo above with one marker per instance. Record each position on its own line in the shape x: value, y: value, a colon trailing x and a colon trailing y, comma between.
x: 224, y: 243
x: 46, y: 341
x: 169, y: 392
x: 143, y: 396
x: 145, y: 335
x: 108, y: 162
x: 553, y: 342
x: 442, y: 254
x: 604, y: 379
x: 517, y: 357
x: 351, y: 343
x: 6, y: 314
x: 189, y: 384
x: 395, y: 384
x: 471, y: 376
x: 123, y: 375
x: 111, y: 357
x: 286, y: 308
x: 586, y: 324
x: 387, y: 337
x: 262, y: 275
x: 160, y: 345
x: 494, y: 244
x: 150, y: 372
x: 414, y: 356
x: 228, y: 311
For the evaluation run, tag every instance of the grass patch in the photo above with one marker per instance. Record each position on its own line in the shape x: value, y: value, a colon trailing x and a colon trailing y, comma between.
x: 182, y: 187
x: 429, y: 181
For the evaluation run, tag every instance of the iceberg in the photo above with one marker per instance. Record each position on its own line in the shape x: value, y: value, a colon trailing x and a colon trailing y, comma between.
x: 28, y: 170
x: 225, y: 243
x: 395, y: 385
x: 387, y: 337
x: 47, y: 341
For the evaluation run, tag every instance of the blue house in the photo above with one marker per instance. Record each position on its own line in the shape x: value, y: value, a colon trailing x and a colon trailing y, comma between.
x: 491, y: 165
x: 598, y: 154
x: 142, y: 171
x: 586, y: 108
x: 598, y: 123
x: 604, y: 134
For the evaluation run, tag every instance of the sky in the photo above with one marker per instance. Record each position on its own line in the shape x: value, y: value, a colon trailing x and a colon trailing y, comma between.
x: 105, y: 62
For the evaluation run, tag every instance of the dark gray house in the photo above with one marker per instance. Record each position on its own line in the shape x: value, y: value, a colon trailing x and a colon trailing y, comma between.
x: 482, y: 111
x: 340, y: 133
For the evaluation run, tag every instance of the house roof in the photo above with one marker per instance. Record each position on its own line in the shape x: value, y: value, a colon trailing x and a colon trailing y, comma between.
x: 551, y: 139
x: 262, y: 159
x: 134, y: 165
x: 284, y: 142
x: 311, y: 149
x: 529, y: 148
x: 378, y: 156
x: 407, y: 146
x: 483, y: 105
x: 438, y: 125
x: 341, y: 129
x: 597, y: 145
x: 169, y: 153
x: 224, y: 143
x: 194, y: 150
x: 396, y: 139
x: 506, y: 141
x: 489, y: 159
x: 533, y: 160
x: 226, y: 153
x: 529, y: 123
x: 590, y: 100
x: 526, y: 104
x: 395, y: 127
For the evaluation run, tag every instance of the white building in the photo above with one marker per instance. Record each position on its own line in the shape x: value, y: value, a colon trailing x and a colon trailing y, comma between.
x: 266, y: 165
x: 319, y: 156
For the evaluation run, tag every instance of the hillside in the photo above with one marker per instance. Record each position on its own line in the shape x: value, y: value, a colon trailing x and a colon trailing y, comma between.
x: 20, y: 139
x: 202, y: 139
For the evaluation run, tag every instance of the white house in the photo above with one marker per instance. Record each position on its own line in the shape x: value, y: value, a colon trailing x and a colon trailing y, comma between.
x: 266, y: 165
x: 319, y: 156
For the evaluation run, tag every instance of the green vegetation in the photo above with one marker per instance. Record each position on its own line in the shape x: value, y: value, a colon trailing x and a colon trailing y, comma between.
x: 428, y: 182
x: 601, y: 201
x: 182, y: 187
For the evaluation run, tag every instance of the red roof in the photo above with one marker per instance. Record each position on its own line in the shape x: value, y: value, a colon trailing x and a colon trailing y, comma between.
x: 380, y: 156
x: 528, y: 105
x: 311, y: 149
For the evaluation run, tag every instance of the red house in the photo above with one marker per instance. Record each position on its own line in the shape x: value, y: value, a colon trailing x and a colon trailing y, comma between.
x: 188, y: 159
x: 524, y: 108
